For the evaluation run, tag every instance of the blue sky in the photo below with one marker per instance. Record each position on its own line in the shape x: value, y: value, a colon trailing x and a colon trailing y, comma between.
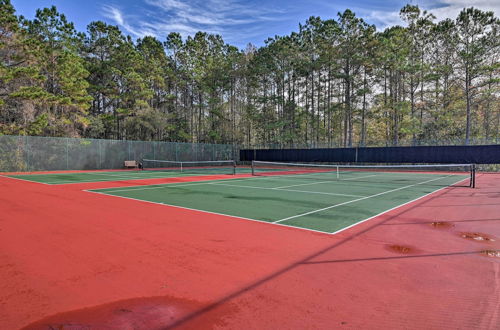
x: 238, y: 21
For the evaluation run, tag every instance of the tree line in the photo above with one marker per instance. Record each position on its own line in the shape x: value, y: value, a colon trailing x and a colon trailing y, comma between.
x: 334, y: 82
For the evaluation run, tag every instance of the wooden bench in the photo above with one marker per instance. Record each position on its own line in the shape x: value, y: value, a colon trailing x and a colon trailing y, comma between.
x: 131, y: 163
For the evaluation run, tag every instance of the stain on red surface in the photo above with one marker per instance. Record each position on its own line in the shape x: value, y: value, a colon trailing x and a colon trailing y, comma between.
x: 491, y: 253
x: 401, y: 249
x: 478, y: 237
x: 442, y: 224
x: 138, y: 313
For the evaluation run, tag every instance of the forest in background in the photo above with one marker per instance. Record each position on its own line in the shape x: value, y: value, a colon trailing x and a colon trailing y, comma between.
x: 335, y: 82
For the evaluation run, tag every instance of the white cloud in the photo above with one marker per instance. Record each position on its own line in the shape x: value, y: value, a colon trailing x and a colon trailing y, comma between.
x: 116, y: 15
x: 451, y: 8
x: 162, y: 29
x: 240, y: 21
x: 226, y: 17
x: 382, y: 19
x: 113, y: 13
x: 169, y: 4
x: 442, y: 9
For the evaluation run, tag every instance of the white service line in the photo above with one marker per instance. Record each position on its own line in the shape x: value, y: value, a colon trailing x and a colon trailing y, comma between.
x: 357, y: 200
x: 166, y: 185
x: 358, y: 177
x: 413, y: 200
x: 11, y: 177
x: 303, y: 184
x: 281, y: 189
x: 262, y: 221
x: 210, y: 212
x: 173, y: 184
x: 289, y: 177
x: 329, y: 181
x: 108, y: 174
x: 117, y: 179
x: 99, y: 180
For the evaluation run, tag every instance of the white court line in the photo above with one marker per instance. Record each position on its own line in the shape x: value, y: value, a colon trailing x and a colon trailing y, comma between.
x: 119, y: 179
x: 124, y: 178
x: 358, y: 177
x: 90, y: 173
x: 134, y: 173
x: 55, y: 183
x: 304, y: 184
x: 356, y: 200
x: 262, y: 221
x: 112, y: 177
x: 289, y: 177
x: 11, y: 177
x: 174, y: 184
x: 281, y: 189
x: 413, y: 200
x: 329, y: 181
x: 210, y: 212
x: 165, y: 185
x: 78, y: 173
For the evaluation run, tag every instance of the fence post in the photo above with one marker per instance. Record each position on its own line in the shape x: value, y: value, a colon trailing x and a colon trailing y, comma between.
x: 67, y: 153
x: 27, y: 153
x: 99, y: 151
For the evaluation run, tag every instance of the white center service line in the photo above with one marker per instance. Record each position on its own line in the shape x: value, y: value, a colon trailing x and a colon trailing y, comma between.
x: 281, y: 189
x: 124, y: 178
x: 357, y: 200
x: 358, y: 177
x: 303, y: 184
x: 329, y: 181
x: 121, y: 178
x: 173, y: 185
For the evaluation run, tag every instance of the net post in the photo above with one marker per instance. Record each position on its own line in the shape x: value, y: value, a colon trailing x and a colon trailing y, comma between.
x: 473, y: 176
x: 234, y: 167
x: 338, y: 172
x: 253, y: 168
x: 181, y: 166
x: 469, y: 169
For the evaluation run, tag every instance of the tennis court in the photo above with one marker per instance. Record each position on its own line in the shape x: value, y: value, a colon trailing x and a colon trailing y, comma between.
x: 323, y: 198
x: 174, y: 169
x: 196, y: 243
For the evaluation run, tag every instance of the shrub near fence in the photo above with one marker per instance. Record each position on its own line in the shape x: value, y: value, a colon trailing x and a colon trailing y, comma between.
x: 36, y: 153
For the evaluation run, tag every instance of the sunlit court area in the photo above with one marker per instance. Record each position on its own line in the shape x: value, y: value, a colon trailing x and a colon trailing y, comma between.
x: 249, y: 165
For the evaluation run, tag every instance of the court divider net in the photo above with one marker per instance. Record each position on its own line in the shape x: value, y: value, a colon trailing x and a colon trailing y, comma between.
x: 196, y: 167
x: 389, y: 174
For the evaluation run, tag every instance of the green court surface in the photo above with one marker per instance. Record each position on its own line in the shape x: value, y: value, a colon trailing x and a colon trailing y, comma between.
x: 311, y: 202
x: 65, y: 178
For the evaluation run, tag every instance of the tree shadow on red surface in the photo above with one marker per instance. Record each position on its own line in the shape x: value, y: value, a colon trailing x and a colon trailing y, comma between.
x: 479, y: 252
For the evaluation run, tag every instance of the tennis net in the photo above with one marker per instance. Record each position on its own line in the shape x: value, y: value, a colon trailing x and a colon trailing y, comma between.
x: 195, y: 167
x: 436, y: 174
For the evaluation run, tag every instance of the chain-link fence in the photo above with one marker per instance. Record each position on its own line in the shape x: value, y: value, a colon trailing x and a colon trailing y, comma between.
x: 36, y: 153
